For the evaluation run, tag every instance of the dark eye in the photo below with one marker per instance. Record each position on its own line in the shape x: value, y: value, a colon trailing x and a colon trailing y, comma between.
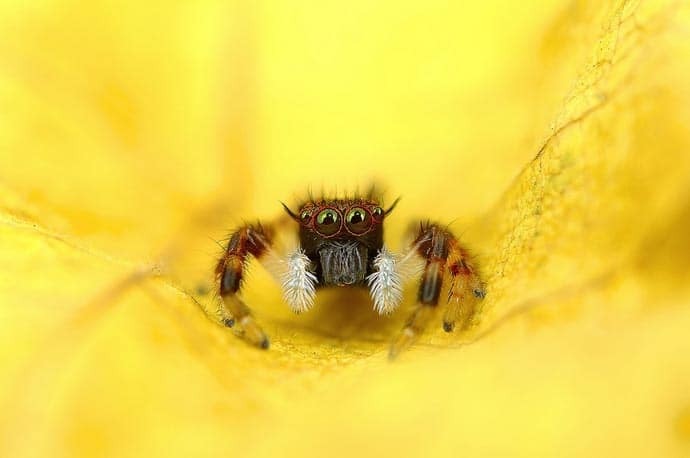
x: 327, y: 222
x: 358, y: 220
x: 378, y: 212
x: 305, y: 216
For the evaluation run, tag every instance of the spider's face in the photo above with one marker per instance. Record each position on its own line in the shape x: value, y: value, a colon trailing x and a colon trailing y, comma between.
x: 341, y: 237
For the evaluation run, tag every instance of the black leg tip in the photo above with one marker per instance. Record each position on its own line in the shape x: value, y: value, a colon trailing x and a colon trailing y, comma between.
x: 265, y: 344
x: 448, y: 326
x: 479, y: 293
x: 229, y: 322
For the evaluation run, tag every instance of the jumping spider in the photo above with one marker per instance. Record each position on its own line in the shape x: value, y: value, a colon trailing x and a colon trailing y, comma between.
x: 339, y: 242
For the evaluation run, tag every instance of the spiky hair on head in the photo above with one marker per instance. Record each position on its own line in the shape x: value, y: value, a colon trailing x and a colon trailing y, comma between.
x: 372, y: 195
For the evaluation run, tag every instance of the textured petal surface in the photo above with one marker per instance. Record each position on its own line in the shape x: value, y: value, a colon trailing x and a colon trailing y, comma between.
x: 552, y: 135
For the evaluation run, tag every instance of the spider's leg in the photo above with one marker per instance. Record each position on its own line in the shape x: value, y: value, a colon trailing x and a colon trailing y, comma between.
x: 442, y: 252
x: 249, y: 240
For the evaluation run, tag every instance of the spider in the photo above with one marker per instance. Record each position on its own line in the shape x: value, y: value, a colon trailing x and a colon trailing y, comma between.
x: 339, y: 242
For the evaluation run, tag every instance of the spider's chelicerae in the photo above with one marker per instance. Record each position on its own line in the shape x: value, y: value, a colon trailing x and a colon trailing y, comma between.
x: 339, y: 242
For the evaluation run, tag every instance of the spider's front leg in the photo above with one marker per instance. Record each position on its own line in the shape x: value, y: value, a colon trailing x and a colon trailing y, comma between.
x: 442, y: 253
x: 254, y: 240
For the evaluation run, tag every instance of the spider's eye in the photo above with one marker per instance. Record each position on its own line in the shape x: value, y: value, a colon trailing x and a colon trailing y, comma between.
x: 358, y: 220
x: 328, y: 222
x: 378, y: 212
x: 305, y: 216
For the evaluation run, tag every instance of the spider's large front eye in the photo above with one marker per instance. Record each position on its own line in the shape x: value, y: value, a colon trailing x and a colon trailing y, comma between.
x: 358, y: 220
x: 328, y: 222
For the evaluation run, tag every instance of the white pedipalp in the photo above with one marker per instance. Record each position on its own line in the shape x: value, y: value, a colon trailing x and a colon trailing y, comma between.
x: 387, y: 282
x: 298, y: 282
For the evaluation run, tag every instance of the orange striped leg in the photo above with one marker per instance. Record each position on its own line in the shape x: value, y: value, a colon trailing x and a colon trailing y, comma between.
x: 442, y: 252
x: 249, y: 240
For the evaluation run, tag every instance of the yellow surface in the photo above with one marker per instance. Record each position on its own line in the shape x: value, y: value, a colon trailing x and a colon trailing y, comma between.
x: 554, y: 135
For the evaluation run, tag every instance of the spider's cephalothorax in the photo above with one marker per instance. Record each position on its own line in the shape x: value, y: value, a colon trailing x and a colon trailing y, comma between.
x: 341, y: 238
x: 340, y: 243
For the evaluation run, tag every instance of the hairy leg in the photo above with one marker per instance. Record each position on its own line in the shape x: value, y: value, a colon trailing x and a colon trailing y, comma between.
x: 443, y: 254
x: 249, y: 240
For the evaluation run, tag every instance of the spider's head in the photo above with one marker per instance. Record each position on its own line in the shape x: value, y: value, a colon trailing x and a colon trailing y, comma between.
x: 340, y: 236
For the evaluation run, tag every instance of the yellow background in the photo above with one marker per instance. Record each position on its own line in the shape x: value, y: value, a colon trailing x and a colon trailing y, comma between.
x: 552, y: 135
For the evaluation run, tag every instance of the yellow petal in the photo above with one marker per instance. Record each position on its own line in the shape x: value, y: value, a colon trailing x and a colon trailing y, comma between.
x: 553, y: 136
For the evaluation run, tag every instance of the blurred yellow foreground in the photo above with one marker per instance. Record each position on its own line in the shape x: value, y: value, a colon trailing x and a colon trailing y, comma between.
x: 553, y: 135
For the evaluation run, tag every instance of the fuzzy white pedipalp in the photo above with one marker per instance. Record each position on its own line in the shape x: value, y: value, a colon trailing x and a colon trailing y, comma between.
x: 297, y: 282
x: 386, y: 283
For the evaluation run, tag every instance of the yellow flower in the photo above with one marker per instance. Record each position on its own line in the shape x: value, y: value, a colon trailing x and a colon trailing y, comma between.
x: 553, y: 135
